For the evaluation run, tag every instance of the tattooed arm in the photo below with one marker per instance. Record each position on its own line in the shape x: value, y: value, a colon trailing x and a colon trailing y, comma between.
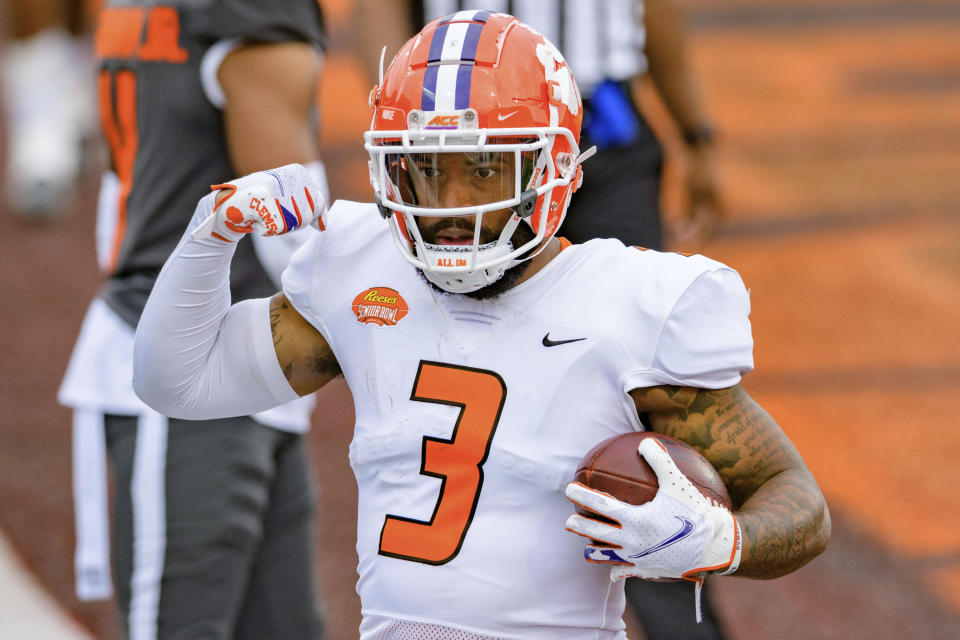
x: 197, y: 355
x: 782, y: 513
x: 304, y: 355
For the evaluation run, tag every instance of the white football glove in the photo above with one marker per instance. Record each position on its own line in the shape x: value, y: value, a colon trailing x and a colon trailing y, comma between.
x: 268, y: 203
x: 678, y: 534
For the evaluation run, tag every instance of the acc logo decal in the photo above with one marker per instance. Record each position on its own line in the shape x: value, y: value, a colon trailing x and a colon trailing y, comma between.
x: 444, y: 122
x: 380, y: 306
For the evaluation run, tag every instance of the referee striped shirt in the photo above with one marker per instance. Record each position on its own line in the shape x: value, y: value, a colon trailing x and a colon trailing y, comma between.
x: 601, y: 40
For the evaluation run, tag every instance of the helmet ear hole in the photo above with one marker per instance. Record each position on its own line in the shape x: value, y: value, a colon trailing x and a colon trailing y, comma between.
x: 566, y: 164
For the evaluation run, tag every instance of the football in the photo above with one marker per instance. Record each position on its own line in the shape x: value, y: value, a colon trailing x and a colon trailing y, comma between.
x: 615, y: 467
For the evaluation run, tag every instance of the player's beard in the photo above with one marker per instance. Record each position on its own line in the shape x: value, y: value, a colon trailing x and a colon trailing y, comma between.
x: 507, y: 281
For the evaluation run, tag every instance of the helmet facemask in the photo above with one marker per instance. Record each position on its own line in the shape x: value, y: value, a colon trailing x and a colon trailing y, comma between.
x: 457, y: 194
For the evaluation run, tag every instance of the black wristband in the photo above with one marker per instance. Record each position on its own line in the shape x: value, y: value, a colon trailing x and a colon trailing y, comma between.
x: 698, y: 136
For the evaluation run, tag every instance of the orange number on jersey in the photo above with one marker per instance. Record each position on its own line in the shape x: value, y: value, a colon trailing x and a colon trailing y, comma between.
x: 458, y: 462
x: 118, y: 116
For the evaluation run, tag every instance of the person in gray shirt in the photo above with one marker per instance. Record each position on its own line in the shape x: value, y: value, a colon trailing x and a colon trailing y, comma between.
x: 212, y: 530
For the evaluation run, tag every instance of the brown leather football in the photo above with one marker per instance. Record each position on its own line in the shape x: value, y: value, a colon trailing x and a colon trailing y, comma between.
x: 615, y: 467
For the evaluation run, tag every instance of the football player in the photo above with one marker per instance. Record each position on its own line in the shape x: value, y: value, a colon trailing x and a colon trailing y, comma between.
x: 486, y: 356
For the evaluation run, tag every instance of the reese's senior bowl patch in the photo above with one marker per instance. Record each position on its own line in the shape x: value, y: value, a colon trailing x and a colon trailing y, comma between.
x: 380, y: 306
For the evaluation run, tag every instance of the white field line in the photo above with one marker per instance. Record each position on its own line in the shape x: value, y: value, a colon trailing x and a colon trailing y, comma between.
x: 27, y: 611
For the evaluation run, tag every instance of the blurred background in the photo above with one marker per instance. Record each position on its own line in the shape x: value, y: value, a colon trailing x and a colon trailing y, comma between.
x: 838, y: 142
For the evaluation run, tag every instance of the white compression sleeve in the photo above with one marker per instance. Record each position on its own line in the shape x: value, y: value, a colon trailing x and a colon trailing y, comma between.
x: 196, y: 356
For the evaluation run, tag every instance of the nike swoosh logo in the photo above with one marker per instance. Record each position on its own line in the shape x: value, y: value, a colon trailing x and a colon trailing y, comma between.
x: 686, y: 528
x: 602, y: 555
x: 547, y: 342
x: 503, y: 116
x: 277, y: 178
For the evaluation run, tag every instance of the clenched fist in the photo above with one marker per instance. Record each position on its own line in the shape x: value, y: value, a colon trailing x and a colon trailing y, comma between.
x: 269, y: 203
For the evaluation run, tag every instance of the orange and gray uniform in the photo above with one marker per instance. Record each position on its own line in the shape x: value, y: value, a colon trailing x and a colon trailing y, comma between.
x: 211, y: 521
x: 166, y: 138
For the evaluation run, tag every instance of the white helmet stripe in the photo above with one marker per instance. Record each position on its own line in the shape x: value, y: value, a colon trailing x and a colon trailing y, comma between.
x: 447, y: 84
x: 453, y: 42
x: 446, y: 97
x: 478, y: 15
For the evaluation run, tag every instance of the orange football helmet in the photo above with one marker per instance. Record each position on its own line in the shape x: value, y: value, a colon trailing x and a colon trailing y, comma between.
x: 481, y: 105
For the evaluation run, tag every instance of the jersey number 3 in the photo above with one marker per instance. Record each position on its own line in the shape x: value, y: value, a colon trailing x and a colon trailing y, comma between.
x: 458, y: 462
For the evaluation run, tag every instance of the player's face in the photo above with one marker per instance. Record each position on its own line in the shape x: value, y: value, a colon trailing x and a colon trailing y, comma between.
x: 464, y: 181
x: 454, y: 180
x: 446, y: 180
x: 460, y: 229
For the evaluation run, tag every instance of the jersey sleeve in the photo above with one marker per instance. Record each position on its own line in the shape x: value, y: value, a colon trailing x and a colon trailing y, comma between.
x: 705, y: 340
x: 310, y: 281
x: 298, y: 279
x: 261, y: 21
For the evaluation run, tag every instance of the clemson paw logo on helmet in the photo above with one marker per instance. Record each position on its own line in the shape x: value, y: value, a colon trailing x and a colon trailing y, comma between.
x: 561, y: 86
x: 381, y: 306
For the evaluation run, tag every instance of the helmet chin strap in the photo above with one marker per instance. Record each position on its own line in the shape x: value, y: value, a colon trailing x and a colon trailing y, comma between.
x: 467, y: 281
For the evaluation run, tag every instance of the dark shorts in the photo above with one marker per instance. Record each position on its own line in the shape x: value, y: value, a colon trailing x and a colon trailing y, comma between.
x: 212, y: 533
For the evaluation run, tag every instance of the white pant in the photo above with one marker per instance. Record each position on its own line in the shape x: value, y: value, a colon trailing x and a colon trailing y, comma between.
x: 98, y: 382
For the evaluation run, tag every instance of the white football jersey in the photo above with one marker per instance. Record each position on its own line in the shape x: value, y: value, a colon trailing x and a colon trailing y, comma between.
x: 471, y: 418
